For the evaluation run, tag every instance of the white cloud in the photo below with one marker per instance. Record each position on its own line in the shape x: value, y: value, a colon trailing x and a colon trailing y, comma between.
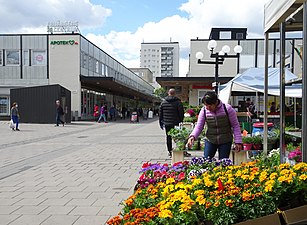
x: 32, y: 16
x: 21, y: 15
x: 203, y: 15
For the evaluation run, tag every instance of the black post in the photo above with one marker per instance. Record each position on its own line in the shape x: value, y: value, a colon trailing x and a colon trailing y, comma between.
x: 216, y: 74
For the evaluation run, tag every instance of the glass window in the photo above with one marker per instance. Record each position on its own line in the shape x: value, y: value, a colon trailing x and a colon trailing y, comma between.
x: 103, y: 69
x: 239, y: 36
x: 12, y: 57
x: 97, y: 67
x: 26, y: 58
x: 4, y: 105
x: 39, y: 58
x: 225, y: 35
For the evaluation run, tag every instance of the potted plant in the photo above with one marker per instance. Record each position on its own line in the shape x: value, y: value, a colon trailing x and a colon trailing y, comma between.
x: 257, y: 142
x: 247, y: 142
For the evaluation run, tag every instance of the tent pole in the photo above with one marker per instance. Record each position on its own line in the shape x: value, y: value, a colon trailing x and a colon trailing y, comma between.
x: 304, y: 83
x: 282, y: 92
x: 265, y: 94
x: 294, y: 113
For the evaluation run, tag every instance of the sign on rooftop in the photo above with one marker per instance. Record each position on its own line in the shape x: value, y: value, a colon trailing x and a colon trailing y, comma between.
x: 63, y: 27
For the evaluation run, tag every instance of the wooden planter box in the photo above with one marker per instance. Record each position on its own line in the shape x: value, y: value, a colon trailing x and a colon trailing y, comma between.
x: 177, y: 156
x: 296, y: 215
x: 265, y: 220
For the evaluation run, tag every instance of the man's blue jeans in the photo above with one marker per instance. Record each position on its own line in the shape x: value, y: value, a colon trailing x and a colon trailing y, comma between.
x: 223, y: 150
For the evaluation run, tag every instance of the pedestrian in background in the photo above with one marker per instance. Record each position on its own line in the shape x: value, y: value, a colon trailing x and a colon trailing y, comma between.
x: 59, y: 113
x: 96, y: 112
x: 102, y: 114
x: 171, y: 113
x: 222, y: 127
x: 112, y: 112
x: 15, y: 116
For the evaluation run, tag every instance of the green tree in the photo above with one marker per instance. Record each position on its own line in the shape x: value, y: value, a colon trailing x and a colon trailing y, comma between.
x: 160, y: 92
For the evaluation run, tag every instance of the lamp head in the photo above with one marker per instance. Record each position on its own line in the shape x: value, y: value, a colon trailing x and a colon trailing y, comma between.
x: 199, y: 55
x: 212, y: 45
x: 226, y: 49
x: 237, y: 49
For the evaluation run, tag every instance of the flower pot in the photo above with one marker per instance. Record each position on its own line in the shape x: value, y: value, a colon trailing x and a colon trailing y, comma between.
x: 247, y: 146
x: 257, y: 146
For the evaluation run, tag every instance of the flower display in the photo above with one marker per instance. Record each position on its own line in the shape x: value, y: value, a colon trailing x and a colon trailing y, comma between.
x: 296, y: 154
x: 191, y: 112
x: 212, y: 190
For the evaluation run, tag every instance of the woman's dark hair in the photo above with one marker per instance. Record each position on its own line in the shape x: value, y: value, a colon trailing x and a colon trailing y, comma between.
x: 210, y: 98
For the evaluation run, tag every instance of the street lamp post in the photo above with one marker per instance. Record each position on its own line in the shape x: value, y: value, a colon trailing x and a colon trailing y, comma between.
x: 219, y: 58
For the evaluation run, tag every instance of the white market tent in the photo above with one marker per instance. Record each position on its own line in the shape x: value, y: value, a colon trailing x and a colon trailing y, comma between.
x: 252, y: 80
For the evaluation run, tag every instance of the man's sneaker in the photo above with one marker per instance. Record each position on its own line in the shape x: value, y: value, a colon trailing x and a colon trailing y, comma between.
x: 170, y: 154
x: 186, y: 154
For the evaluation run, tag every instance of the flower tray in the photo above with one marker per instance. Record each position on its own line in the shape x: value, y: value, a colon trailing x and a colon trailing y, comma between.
x: 265, y: 220
x: 296, y: 215
x: 177, y: 156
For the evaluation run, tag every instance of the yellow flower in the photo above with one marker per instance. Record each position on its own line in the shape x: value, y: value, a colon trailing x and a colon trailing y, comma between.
x: 281, y: 179
x: 284, y: 166
x: 196, y: 181
x: 208, y: 182
x: 201, y: 200
x: 165, y: 213
x: 179, y: 185
x: 273, y: 176
x: 302, y: 177
x: 269, y: 185
x: 216, y: 204
x: 170, y: 180
x: 199, y: 192
x: 244, y: 177
x: 263, y: 176
x: 300, y: 166
x: 188, y: 187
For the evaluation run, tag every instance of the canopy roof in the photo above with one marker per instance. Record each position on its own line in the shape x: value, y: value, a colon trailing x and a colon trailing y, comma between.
x: 252, y: 80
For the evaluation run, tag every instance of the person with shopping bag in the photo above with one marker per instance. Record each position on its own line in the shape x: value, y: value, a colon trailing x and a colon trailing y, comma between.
x: 14, y: 117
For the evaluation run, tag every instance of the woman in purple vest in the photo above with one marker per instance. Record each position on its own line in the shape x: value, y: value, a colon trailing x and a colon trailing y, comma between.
x: 222, y: 127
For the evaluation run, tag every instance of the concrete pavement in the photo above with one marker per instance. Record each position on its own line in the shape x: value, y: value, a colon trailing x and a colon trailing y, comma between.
x: 77, y: 174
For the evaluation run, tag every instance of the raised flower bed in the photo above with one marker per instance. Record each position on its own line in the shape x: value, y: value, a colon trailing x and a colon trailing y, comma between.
x: 202, y: 190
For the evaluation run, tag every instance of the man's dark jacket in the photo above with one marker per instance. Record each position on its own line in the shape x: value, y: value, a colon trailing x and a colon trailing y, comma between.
x: 171, y: 111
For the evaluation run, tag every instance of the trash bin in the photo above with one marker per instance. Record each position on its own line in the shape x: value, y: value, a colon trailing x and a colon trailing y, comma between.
x: 247, y: 126
x: 258, y: 127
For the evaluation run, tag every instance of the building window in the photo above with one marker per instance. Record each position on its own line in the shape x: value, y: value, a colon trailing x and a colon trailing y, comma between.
x: 26, y: 58
x: 97, y: 67
x: 239, y: 36
x: 12, y: 57
x: 225, y: 35
x: 103, y: 69
x: 4, y: 105
x: 39, y: 58
x: 1, y: 62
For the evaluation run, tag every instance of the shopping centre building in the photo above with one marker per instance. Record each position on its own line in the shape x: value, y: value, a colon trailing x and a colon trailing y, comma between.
x: 70, y: 60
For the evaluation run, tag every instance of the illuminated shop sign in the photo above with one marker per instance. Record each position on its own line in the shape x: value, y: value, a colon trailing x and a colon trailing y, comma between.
x: 69, y: 42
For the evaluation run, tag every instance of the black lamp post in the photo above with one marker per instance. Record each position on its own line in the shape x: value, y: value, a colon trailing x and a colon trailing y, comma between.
x: 219, y: 58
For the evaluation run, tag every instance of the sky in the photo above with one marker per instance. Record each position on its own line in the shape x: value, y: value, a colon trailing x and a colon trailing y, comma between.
x: 120, y: 26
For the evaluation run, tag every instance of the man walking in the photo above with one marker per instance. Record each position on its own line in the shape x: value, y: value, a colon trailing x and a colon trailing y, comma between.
x: 171, y: 113
x: 59, y: 113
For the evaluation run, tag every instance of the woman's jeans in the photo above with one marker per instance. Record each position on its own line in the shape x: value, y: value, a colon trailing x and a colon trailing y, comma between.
x: 15, y: 120
x: 223, y: 150
x: 102, y: 116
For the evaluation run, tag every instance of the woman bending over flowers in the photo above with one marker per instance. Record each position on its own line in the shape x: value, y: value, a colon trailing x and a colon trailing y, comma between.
x: 222, y: 127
